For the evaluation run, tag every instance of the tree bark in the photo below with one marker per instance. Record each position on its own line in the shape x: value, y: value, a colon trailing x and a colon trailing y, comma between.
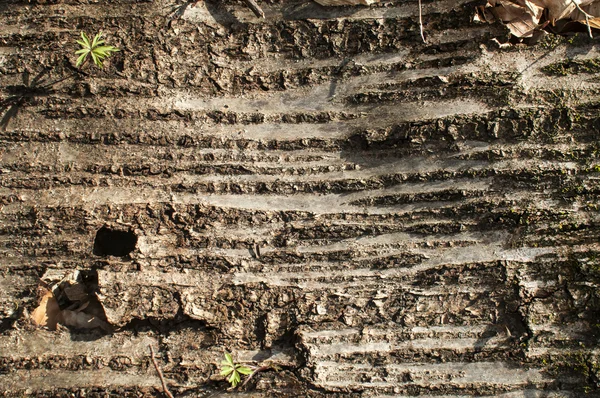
x: 319, y: 190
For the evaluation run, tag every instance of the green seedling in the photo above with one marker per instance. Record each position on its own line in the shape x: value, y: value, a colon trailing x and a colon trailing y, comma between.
x: 232, y: 370
x: 95, y: 48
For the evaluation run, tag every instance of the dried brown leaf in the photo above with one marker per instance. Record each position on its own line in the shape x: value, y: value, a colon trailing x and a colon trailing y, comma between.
x: 523, y: 17
x: 523, y: 28
x: 483, y: 14
x: 560, y: 9
x: 518, y: 18
x: 594, y: 22
x: 534, y: 9
x: 591, y: 9
x: 48, y: 313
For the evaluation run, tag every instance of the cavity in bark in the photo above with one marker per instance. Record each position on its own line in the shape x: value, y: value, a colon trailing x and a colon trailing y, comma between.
x: 110, y: 242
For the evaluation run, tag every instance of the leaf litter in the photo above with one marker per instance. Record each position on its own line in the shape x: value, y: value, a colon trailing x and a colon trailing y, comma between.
x: 69, y: 301
x: 524, y: 18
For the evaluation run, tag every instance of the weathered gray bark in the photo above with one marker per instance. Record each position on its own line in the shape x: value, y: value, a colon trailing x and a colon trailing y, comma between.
x: 320, y: 189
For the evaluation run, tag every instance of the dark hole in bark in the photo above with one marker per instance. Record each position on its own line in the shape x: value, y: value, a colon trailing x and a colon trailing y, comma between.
x: 110, y: 242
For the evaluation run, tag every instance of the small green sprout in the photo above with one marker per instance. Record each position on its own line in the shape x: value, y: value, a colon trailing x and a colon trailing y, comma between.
x: 94, y: 48
x: 233, y: 370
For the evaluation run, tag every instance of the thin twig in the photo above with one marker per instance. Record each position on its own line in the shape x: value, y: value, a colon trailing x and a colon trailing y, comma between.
x: 250, y: 3
x: 586, y: 15
x: 256, y: 370
x: 255, y: 8
x: 160, y: 374
x: 421, y: 20
x: 49, y: 85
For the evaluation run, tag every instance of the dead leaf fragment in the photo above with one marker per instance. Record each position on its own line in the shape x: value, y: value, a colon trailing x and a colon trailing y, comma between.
x: 591, y: 9
x: 594, y: 22
x: 525, y: 17
x: 522, y: 17
x: 534, y: 9
x: 561, y: 9
x: 519, y: 19
x: 65, y: 299
x: 48, y: 313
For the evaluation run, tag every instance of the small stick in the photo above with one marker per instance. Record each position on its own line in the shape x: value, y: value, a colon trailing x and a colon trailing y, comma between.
x: 421, y: 20
x: 255, y: 8
x: 250, y: 3
x: 256, y: 370
x: 160, y: 374
x: 257, y: 250
x: 586, y: 15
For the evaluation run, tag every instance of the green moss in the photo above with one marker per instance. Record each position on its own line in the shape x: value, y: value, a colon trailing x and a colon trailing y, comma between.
x: 576, y: 363
x: 552, y: 41
x: 572, y: 67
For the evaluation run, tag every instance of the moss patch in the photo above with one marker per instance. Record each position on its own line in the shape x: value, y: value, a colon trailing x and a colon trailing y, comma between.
x: 572, y: 67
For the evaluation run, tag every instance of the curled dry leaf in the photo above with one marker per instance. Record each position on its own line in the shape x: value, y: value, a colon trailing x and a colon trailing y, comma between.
x: 562, y: 9
x: 48, y: 313
x: 520, y: 19
x: 523, y: 17
x: 69, y: 302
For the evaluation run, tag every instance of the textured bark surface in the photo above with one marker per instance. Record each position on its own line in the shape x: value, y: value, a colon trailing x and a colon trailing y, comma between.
x: 319, y: 189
